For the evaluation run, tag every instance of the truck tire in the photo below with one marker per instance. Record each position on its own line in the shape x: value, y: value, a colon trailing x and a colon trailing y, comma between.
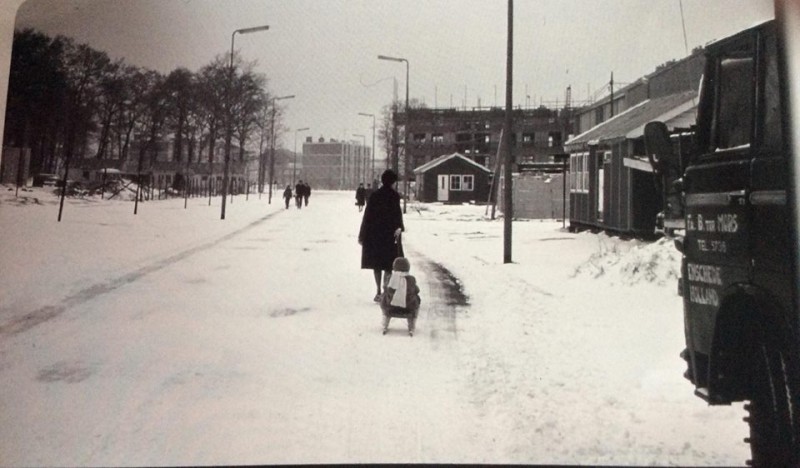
x: 774, y: 406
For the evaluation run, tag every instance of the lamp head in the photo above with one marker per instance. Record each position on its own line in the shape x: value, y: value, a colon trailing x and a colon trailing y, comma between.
x: 252, y: 30
x: 393, y: 59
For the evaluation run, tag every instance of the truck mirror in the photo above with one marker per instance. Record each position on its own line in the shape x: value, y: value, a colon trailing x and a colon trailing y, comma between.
x: 659, y: 147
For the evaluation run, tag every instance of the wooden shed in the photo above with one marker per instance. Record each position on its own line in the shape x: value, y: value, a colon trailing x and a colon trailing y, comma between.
x: 452, y: 178
x: 611, y: 184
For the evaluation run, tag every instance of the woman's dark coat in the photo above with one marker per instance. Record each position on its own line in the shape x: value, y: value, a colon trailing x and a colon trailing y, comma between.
x: 361, y: 195
x: 382, y: 217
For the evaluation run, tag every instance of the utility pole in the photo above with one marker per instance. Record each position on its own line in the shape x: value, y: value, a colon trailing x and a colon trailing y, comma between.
x: 508, y: 207
x: 611, y: 84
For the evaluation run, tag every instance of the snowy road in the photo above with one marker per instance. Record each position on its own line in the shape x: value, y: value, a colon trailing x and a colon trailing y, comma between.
x: 259, y: 346
x: 172, y: 338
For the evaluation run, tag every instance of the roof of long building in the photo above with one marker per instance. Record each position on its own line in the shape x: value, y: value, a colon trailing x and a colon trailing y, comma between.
x: 677, y: 108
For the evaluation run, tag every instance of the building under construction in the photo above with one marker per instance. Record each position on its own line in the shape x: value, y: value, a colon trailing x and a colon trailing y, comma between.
x: 538, y: 134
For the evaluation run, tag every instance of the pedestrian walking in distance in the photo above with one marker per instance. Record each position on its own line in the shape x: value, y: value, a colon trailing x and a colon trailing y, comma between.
x: 287, y: 195
x: 401, y: 298
x: 379, y: 235
x: 361, y: 196
x: 299, y: 189
x: 306, y: 192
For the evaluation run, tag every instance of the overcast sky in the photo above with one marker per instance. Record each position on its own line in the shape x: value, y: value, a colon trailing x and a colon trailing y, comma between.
x: 325, y: 51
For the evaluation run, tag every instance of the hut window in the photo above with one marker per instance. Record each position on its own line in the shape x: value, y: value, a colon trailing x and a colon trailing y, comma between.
x: 579, y: 172
x: 573, y: 171
x: 462, y: 183
x: 585, y: 185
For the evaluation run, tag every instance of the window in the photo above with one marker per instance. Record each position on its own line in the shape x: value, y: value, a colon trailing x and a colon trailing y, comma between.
x: 599, y: 115
x: 467, y: 182
x: 419, y: 138
x: 462, y: 183
x: 579, y: 172
x: 437, y: 138
x: 527, y: 138
x: 585, y: 173
x: 573, y: 168
x: 735, y: 104
x: 772, y: 137
x: 554, y: 139
x: 733, y: 99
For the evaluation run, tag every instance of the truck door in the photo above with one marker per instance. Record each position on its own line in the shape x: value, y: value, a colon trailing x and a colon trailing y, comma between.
x: 771, y: 232
x: 716, y: 187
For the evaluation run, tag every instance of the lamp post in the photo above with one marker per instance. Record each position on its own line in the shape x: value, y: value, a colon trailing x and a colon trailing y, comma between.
x: 372, y: 172
x: 361, y: 156
x: 272, y: 145
x: 294, y: 166
x: 229, y: 123
x: 405, y: 136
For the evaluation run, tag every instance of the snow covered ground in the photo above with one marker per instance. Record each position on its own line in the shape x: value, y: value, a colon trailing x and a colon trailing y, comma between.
x: 172, y: 337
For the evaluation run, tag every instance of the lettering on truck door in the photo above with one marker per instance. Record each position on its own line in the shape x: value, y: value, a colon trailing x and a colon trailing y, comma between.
x: 716, y: 187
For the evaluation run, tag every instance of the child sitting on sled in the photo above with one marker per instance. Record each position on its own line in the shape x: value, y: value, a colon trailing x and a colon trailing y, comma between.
x: 401, y: 297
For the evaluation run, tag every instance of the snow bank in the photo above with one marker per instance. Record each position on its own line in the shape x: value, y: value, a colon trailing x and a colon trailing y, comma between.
x: 631, y: 262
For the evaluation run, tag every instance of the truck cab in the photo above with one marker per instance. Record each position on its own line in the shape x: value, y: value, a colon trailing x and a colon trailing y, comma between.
x: 737, y: 267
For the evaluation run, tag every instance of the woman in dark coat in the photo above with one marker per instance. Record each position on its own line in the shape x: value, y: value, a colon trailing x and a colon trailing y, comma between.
x: 380, y: 231
x: 361, y: 196
x: 287, y: 195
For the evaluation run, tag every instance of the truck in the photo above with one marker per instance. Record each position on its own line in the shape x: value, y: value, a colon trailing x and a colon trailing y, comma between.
x: 733, y: 196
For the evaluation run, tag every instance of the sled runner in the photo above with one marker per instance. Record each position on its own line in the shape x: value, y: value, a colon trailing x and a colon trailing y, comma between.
x: 391, y: 312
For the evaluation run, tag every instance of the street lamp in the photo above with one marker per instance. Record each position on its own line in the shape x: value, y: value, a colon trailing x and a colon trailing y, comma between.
x: 405, y: 137
x: 372, y: 174
x: 361, y: 155
x: 272, y: 145
x: 229, y: 124
x: 294, y: 167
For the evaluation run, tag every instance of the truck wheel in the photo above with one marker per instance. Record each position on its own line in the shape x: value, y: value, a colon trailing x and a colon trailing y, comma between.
x: 773, y: 405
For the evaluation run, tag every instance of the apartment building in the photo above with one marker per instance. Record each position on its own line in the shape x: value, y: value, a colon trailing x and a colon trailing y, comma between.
x: 335, y: 165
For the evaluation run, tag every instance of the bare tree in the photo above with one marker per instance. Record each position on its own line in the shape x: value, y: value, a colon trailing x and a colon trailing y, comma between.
x: 110, y: 99
x: 85, y: 68
x: 250, y: 96
x: 136, y: 88
x: 178, y: 90
x: 152, y: 112
x: 212, y: 83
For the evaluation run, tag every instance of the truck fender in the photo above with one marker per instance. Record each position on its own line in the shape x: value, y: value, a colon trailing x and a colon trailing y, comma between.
x: 743, y: 306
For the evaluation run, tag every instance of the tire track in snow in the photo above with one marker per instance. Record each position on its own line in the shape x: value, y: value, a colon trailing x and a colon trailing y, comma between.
x: 445, y: 297
x: 31, y: 319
